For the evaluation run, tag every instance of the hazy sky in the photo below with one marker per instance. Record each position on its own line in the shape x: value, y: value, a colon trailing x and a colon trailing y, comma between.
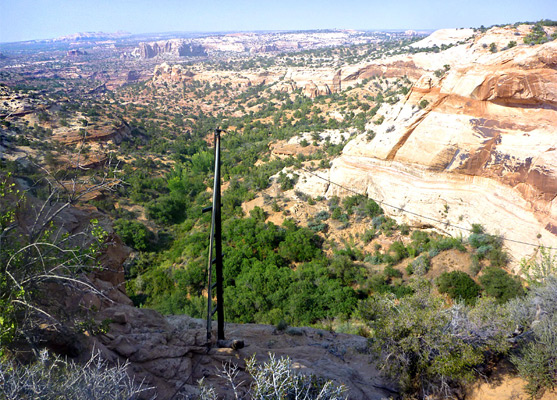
x: 40, y: 19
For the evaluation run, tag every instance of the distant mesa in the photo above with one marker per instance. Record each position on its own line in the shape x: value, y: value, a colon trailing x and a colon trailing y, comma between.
x: 251, y: 43
x: 173, y: 47
x: 91, y: 36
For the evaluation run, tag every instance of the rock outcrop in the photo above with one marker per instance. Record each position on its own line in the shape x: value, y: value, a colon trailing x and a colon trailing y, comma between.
x: 170, y: 353
x: 478, y: 145
x: 312, y: 90
x: 389, y: 68
x: 171, y: 74
x: 337, y: 82
x: 113, y: 132
x: 444, y: 37
x: 173, y: 47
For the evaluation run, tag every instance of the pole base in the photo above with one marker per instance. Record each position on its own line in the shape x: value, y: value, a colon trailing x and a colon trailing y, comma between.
x: 233, y: 344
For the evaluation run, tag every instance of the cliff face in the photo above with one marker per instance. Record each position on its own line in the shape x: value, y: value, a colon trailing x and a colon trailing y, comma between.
x: 480, y: 148
x: 174, y: 47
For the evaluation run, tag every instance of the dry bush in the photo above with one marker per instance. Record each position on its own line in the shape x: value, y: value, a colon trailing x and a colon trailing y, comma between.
x: 276, y: 380
x: 56, y: 378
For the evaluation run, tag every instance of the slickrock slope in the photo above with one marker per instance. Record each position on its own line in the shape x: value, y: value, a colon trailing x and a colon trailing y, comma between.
x: 444, y: 37
x: 482, y: 150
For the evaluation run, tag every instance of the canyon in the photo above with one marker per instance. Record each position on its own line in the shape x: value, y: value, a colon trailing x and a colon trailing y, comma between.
x: 445, y: 133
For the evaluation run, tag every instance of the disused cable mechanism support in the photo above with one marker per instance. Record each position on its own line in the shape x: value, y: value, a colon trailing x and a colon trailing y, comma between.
x: 215, y: 242
x: 445, y: 223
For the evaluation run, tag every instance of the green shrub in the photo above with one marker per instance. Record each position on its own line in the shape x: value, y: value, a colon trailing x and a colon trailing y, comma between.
x: 286, y: 181
x: 281, y: 326
x: 475, y: 266
x: 134, y: 234
x: 377, y: 221
x: 488, y: 246
x: 409, y: 269
x: 431, y: 349
x: 316, y: 226
x: 536, y: 36
x: 537, y: 361
x: 537, y: 355
x: 299, y: 245
x: 369, y: 235
x: 542, y: 267
x: 420, y: 266
x: 167, y: 210
x: 372, y: 209
x: 500, y: 285
x: 391, y: 272
x: 322, y: 216
x: 459, y: 286
x: 399, y: 251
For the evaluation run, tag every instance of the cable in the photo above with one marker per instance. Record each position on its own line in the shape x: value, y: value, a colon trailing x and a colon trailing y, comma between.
x: 445, y: 223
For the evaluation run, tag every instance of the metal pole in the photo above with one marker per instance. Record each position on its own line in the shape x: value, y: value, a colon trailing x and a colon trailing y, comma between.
x: 215, y: 242
x: 218, y: 239
x: 210, y: 281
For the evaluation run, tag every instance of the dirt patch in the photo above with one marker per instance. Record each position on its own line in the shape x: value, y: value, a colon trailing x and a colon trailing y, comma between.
x: 504, y: 384
x: 447, y: 261
x: 283, y: 149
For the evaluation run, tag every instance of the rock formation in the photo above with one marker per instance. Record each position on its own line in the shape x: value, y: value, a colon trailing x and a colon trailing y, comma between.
x: 171, y: 74
x: 337, y: 85
x: 481, y: 147
x: 114, y: 132
x: 312, y: 90
x: 76, y: 53
x: 389, y: 68
x: 173, y: 47
x: 170, y: 353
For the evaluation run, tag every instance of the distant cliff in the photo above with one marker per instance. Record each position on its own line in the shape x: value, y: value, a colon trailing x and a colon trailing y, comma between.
x: 174, y: 47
